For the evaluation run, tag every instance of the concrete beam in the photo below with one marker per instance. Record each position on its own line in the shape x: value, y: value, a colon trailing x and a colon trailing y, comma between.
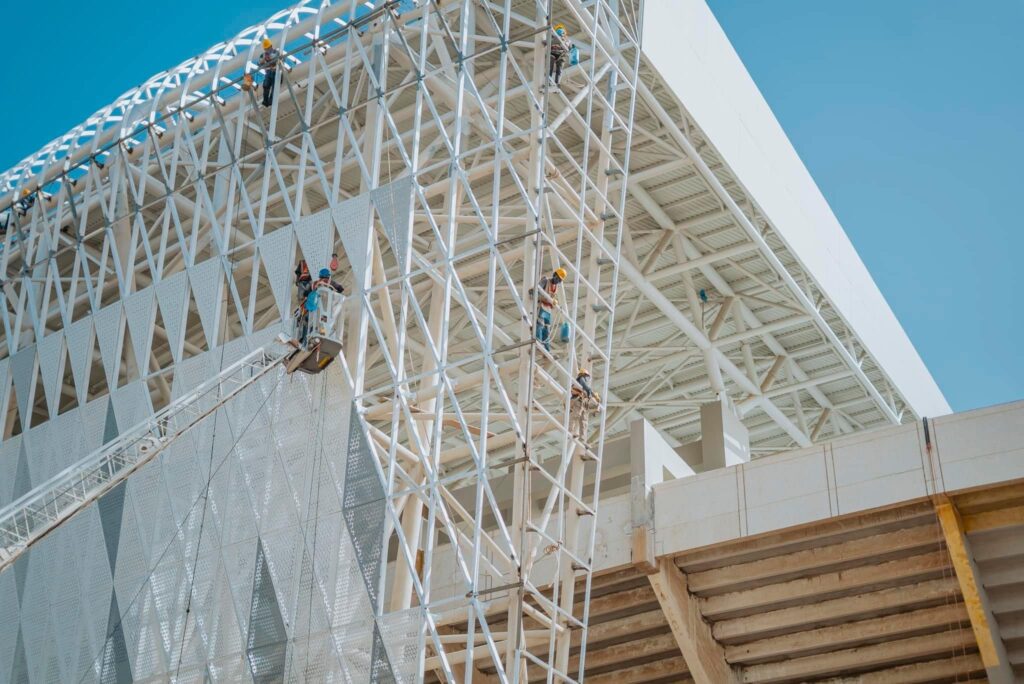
x: 772, y: 623
x: 990, y: 520
x: 659, y: 671
x: 704, y: 656
x: 816, y: 560
x: 848, y: 635
x: 822, y: 533
x: 946, y: 669
x: 874, y: 656
x: 812, y: 589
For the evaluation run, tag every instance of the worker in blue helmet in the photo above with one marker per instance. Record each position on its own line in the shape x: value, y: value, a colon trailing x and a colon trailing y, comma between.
x: 324, y: 280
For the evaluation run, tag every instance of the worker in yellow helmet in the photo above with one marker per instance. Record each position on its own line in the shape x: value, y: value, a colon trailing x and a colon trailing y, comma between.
x: 548, y: 288
x: 584, y: 400
x: 268, y: 62
x: 27, y: 201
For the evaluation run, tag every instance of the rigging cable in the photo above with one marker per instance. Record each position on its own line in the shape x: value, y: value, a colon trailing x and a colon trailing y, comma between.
x: 178, y: 529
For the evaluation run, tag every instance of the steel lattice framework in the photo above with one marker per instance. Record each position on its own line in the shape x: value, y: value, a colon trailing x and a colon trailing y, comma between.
x: 426, y: 146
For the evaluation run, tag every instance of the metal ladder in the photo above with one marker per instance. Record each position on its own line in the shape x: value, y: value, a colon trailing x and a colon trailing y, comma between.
x: 34, y: 515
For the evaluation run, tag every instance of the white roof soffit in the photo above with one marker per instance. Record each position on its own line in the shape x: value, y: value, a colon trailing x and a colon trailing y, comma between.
x: 684, y: 43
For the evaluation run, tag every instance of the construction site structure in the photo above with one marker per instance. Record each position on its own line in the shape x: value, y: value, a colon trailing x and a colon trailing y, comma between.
x: 422, y: 502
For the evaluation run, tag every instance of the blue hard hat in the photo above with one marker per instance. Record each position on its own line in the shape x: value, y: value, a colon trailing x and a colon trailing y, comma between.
x: 325, y: 273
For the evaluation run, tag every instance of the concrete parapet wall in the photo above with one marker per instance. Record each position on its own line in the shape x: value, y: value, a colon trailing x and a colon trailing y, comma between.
x: 869, y: 470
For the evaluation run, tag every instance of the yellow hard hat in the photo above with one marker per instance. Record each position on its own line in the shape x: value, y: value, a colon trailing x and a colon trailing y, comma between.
x: 583, y: 371
x: 267, y: 44
x: 560, y: 272
x: 26, y: 192
x: 559, y: 26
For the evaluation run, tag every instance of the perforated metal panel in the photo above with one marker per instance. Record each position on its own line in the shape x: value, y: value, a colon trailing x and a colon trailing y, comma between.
x: 109, y: 336
x: 392, y: 202
x: 51, y: 369
x: 280, y: 565
x: 9, y: 450
x: 172, y: 296
x: 276, y: 252
x: 352, y: 220
x: 138, y: 310
x: 80, y: 338
x: 316, y: 238
x: 266, y: 643
x: 23, y: 365
x: 363, y: 506
x: 206, y: 279
x: 131, y: 404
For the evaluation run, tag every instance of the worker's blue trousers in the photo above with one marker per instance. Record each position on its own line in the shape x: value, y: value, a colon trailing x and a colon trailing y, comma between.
x: 544, y: 327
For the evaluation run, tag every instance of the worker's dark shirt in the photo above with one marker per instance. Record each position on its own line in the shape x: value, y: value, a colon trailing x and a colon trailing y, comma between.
x: 26, y: 203
x: 548, y: 287
x: 268, y: 60
x: 560, y: 45
x: 328, y: 282
x: 584, y: 386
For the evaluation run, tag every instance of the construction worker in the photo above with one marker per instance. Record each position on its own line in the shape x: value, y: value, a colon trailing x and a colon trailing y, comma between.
x: 583, y: 401
x: 560, y: 47
x: 27, y: 201
x: 308, y: 304
x: 548, y: 288
x: 324, y: 280
x: 302, y: 278
x: 268, y: 62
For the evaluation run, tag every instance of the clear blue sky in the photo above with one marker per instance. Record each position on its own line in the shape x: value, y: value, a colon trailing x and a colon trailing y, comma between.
x: 909, y: 114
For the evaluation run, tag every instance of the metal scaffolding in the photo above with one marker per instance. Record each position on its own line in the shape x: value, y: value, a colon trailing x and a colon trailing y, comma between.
x: 428, y: 147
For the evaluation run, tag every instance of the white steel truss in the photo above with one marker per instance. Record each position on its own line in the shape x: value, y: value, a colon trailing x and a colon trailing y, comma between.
x: 427, y: 146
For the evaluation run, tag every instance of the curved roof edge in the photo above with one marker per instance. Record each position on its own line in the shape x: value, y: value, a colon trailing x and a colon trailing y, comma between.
x: 145, y: 103
x: 688, y: 47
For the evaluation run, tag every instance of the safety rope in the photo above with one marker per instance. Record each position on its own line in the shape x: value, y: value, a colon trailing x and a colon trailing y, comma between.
x: 199, y: 540
x: 315, y: 483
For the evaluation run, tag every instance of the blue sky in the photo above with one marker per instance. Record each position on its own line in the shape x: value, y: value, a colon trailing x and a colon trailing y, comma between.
x: 908, y: 114
x: 910, y: 117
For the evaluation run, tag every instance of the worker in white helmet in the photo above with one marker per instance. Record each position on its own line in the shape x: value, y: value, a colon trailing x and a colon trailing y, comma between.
x: 583, y: 402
